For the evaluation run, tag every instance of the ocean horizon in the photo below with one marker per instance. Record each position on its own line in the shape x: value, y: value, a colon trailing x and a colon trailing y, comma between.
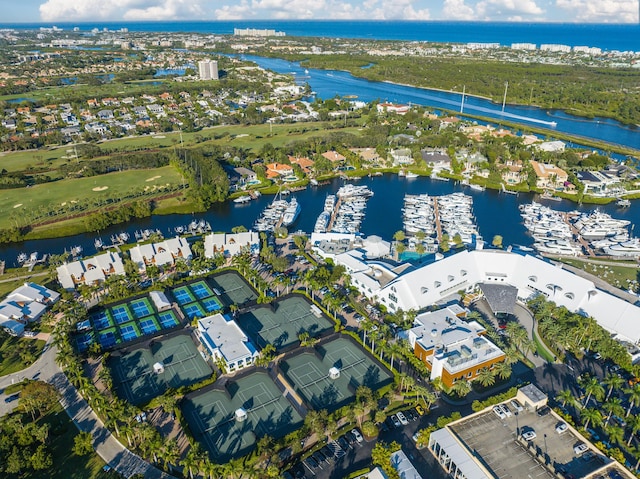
x: 609, y: 37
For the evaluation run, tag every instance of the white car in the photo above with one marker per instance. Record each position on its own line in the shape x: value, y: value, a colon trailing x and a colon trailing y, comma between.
x: 561, y: 427
x: 499, y: 412
x: 580, y: 448
x: 516, y: 405
x: 403, y: 420
x: 505, y: 410
x: 357, y: 435
x: 529, y: 435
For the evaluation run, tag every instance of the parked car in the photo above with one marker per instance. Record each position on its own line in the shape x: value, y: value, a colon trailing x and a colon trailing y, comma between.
x: 350, y: 437
x: 561, y: 427
x: 357, y: 435
x: 396, y: 421
x: 506, y: 410
x: 402, y: 418
x: 543, y: 411
x: 343, y: 443
x: 580, y: 448
x: 327, y: 452
x: 499, y: 412
x: 419, y: 410
x: 529, y: 435
x: 12, y: 398
x: 312, y: 462
x: 516, y: 405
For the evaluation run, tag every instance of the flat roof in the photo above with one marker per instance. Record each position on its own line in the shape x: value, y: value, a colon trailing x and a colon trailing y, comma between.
x: 501, y: 297
x: 458, y: 454
x: 532, y: 392
x: 223, y: 334
x: 404, y: 466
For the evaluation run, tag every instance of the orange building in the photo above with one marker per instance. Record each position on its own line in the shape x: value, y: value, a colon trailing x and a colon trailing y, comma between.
x: 452, y: 348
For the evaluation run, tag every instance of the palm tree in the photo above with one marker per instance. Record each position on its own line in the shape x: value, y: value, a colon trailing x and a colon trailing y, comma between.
x: 502, y: 370
x: 461, y: 387
x: 591, y: 415
x: 613, y: 406
x: 633, y: 423
x: 170, y: 453
x: 486, y: 377
x: 616, y: 434
x: 511, y: 355
x: 593, y: 388
x: 566, y: 397
x: 633, y: 395
x: 425, y: 394
x: 613, y: 381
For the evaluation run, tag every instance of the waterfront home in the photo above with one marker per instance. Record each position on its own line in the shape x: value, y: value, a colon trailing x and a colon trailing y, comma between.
x: 451, y: 348
x: 90, y: 271
x: 164, y: 253
x: 275, y: 170
x: 333, y: 156
x: 369, y: 155
x: 556, y: 146
x: 226, y: 342
x: 512, y: 174
x: 549, y: 176
x: 24, y: 305
x: 436, y: 158
x: 303, y: 162
x: 598, y: 183
x: 392, y: 108
x: 231, y: 244
x: 401, y: 156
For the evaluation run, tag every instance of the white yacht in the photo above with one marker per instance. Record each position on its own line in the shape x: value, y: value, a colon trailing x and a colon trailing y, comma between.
x: 291, y: 213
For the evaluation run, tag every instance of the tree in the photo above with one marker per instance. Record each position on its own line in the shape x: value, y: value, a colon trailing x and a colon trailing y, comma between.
x: 613, y: 406
x: 502, y: 370
x: 38, y: 396
x: 381, y: 456
x: 633, y: 396
x: 461, y: 387
x: 593, y: 388
x: 486, y: 377
x: 82, y: 443
x: 616, y: 434
x: 591, y: 415
x: 566, y: 397
x: 633, y: 423
x: 613, y: 381
x: 266, y: 355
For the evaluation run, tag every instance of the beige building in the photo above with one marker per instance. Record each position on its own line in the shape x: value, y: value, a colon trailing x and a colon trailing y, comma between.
x: 549, y: 176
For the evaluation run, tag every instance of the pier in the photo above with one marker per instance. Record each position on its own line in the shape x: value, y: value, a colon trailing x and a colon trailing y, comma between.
x: 334, y: 213
x: 436, y: 214
x: 576, y: 234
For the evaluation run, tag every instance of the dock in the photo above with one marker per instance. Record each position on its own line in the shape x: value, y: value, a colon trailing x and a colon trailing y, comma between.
x: 436, y: 214
x: 334, y: 213
x: 576, y: 233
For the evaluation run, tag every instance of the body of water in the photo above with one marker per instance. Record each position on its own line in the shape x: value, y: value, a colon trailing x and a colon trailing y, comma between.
x: 622, y: 37
x: 495, y: 213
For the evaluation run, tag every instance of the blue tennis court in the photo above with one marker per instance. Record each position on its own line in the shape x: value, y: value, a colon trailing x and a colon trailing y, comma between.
x: 84, y: 341
x: 100, y: 320
x: 211, y: 304
x: 193, y: 310
x: 201, y: 290
x: 120, y: 314
x: 167, y: 319
x: 148, y: 326
x: 183, y: 295
x: 128, y: 332
x: 107, y: 339
x: 140, y: 308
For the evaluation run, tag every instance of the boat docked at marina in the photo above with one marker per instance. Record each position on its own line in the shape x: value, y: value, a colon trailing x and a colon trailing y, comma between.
x: 242, y: 199
x: 291, y: 212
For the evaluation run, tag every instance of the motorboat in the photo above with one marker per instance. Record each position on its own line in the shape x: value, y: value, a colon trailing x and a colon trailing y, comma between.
x: 291, y: 213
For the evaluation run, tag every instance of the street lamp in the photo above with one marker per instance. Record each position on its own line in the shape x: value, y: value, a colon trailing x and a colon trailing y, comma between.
x: 517, y: 425
x: 545, y: 444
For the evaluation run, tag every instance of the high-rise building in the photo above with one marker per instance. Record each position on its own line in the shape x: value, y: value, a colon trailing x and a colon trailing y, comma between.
x: 208, y: 70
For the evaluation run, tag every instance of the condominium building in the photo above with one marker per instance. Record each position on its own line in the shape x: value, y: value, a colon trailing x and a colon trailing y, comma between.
x: 208, y: 70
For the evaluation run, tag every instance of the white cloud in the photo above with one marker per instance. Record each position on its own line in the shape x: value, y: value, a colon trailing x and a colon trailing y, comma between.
x: 457, y: 10
x: 74, y: 10
x: 502, y: 9
x: 611, y: 11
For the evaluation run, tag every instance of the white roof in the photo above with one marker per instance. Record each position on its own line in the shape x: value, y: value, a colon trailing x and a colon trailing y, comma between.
x: 404, y: 466
x: 458, y: 454
x: 162, y: 253
x: 231, y: 244
x: 222, y: 334
x: 159, y: 300
x: 90, y: 270
x: 25, y: 303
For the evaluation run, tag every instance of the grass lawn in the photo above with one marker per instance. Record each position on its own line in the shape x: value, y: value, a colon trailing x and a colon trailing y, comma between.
x: 10, y: 349
x: 66, y: 465
x: 22, y: 203
x: 622, y: 275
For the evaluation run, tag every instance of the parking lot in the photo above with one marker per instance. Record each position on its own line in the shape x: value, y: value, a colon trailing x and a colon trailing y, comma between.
x: 495, y: 439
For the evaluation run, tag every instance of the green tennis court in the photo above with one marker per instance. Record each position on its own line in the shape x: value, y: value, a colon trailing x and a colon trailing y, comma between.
x: 135, y: 379
x: 233, y: 288
x: 280, y: 322
x: 308, y: 373
x: 211, y: 415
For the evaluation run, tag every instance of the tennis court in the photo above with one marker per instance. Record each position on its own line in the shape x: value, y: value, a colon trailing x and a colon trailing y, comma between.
x: 281, y: 322
x: 201, y: 290
x: 149, y: 326
x: 211, y: 415
x: 101, y: 320
x: 308, y: 373
x: 193, y: 310
x: 233, y: 288
x: 108, y: 338
x: 121, y: 314
x: 167, y: 319
x: 129, y: 332
x: 141, y: 308
x: 135, y: 379
x: 83, y: 341
x: 211, y: 304
x: 183, y: 295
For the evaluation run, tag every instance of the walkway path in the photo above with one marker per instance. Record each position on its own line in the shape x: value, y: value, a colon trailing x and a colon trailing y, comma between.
x: 105, y: 444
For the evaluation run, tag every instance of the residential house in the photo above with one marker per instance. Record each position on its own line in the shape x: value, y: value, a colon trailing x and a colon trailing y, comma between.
x: 333, y: 156
x: 513, y: 174
x: 156, y: 109
x: 24, y: 305
x: 276, y: 170
x: 401, y: 156
x: 226, y: 342
x: 231, y: 244
x: 436, y: 158
x: 368, y: 155
x: 140, y: 111
x: 164, y: 253
x: 305, y: 163
x: 9, y: 123
x: 549, y: 176
x: 105, y: 115
x: 90, y: 271
x: 391, y: 108
x: 96, y: 128
x: 556, y: 146
x: 598, y: 182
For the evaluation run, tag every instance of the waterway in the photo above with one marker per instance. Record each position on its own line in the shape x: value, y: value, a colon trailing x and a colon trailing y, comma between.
x: 329, y: 83
x: 496, y: 213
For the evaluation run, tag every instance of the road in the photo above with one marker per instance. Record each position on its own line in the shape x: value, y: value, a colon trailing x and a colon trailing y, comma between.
x: 105, y: 444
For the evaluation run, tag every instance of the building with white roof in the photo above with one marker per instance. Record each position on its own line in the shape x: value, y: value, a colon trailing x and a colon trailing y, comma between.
x: 24, y: 305
x: 164, y: 253
x: 231, y: 244
x: 90, y: 271
x: 451, y: 348
x: 401, y: 463
x: 407, y: 288
x: 225, y: 341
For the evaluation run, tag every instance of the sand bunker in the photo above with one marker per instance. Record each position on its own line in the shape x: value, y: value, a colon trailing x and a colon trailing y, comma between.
x: 64, y: 203
x: 153, y: 178
x: 100, y: 188
x: 18, y: 205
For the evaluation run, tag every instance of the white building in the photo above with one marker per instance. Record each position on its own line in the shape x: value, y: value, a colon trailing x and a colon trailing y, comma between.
x: 225, y: 341
x: 231, y: 244
x: 401, y: 463
x: 404, y: 287
x: 160, y: 254
x: 23, y: 305
x: 90, y: 271
x: 523, y: 46
x: 208, y: 70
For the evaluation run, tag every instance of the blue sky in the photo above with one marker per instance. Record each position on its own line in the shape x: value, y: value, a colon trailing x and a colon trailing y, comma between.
x: 583, y: 11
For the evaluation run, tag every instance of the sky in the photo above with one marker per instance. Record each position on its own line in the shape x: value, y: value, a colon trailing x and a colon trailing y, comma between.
x: 580, y: 11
